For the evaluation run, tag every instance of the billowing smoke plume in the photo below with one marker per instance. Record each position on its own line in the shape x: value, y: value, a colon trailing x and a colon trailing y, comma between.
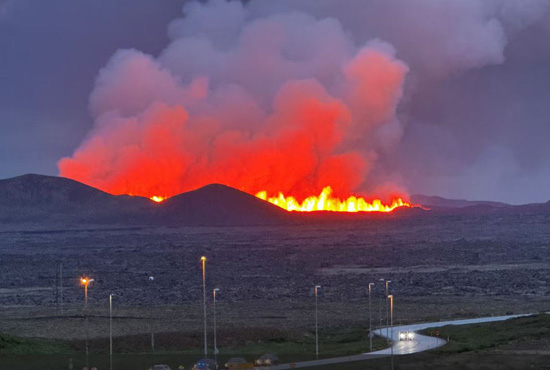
x: 283, y: 95
x: 283, y: 102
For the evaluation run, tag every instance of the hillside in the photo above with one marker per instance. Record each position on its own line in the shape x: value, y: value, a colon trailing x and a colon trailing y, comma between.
x: 59, y: 201
x: 217, y: 204
x: 50, y: 201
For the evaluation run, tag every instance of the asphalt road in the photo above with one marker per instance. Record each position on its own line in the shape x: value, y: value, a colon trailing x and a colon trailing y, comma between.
x: 420, y: 343
x: 423, y: 343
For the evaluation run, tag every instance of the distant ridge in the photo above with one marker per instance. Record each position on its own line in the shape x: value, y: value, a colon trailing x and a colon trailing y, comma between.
x: 435, y: 201
x: 49, y: 202
x: 52, y: 201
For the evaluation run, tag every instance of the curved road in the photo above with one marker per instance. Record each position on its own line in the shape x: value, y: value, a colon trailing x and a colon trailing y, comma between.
x: 419, y: 344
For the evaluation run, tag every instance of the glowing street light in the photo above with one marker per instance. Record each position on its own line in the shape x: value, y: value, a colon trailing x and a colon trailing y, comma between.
x: 215, y: 334
x: 370, y: 316
x: 85, y: 281
x: 203, y: 260
x: 317, y: 287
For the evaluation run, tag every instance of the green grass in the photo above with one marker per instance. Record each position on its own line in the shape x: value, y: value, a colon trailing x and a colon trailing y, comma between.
x: 11, y: 345
x: 332, y: 342
x: 476, y: 337
x: 470, y: 345
x: 288, y: 346
x: 476, y: 346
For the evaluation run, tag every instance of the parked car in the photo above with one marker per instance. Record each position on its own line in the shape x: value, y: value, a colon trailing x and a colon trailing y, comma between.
x: 238, y: 363
x: 205, y: 364
x: 267, y: 360
x: 160, y: 367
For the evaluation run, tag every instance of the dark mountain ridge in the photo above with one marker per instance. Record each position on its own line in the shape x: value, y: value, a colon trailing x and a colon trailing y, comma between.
x: 58, y: 201
x: 39, y: 201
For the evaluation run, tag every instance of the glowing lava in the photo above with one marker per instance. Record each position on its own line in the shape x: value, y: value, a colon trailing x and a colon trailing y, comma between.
x: 158, y: 199
x: 326, y: 202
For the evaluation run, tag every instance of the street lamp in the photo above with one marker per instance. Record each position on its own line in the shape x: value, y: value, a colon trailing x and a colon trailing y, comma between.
x: 111, y: 331
x: 215, y: 334
x: 151, y: 319
x: 390, y: 298
x: 380, y: 305
x: 317, y: 287
x: 370, y: 316
x: 203, y: 260
x: 387, y: 311
x: 85, y: 281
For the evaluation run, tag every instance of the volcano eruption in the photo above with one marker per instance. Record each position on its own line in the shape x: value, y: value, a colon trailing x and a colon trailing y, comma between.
x: 284, y: 106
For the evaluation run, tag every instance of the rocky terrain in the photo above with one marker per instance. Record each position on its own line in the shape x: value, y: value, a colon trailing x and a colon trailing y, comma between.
x: 443, y: 263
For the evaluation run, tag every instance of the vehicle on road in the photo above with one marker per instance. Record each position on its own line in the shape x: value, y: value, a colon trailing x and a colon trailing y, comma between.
x: 267, y: 360
x: 205, y: 364
x: 238, y: 363
x: 160, y: 367
x: 406, y: 335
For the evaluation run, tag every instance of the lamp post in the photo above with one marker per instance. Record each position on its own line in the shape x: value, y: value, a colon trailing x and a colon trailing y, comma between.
x: 151, y: 319
x: 387, y: 311
x: 111, y: 331
x: 215, y: 333
x: 85, y: 281
x: 390, y: 298
x: 203, y: 260
x: 61, y: 287
x: 383, y: 281
x: 370, y: 316
x: 317, y: 287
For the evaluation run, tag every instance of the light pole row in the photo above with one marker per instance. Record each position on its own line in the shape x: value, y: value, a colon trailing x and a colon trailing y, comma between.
x: 388, y: 314
x: 214, y: 292
x: 387, y: 309
x: 316, y: 289
x: 85, y: 281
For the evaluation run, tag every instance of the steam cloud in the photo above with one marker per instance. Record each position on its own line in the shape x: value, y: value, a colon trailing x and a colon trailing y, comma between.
x: 287, y: 96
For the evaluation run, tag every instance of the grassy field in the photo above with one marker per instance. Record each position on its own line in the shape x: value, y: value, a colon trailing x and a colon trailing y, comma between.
x: 522, y: 343
x: 488, y: 336
x: 12, y: 345
x: 513, y: 344
x: 133, y: 352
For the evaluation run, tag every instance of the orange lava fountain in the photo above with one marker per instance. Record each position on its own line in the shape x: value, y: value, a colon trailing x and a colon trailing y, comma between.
x: 326, y: 202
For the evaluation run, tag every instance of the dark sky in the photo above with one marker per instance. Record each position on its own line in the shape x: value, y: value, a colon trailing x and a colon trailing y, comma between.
x: 50, y: 54
x: 475, y: 127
